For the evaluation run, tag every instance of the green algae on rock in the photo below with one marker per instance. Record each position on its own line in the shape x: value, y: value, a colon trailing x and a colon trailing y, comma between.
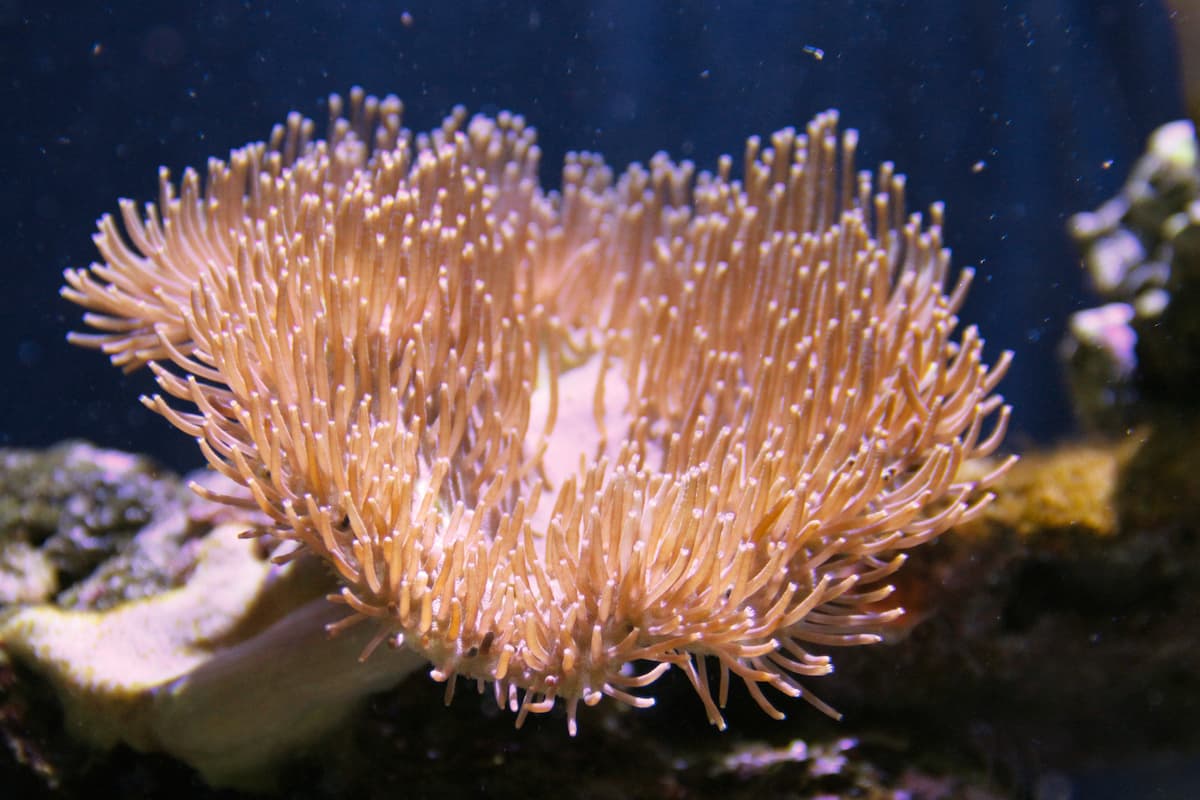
x: 67, y: 509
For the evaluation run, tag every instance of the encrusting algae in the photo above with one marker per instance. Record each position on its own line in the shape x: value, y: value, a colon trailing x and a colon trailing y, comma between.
x: 672, y: 417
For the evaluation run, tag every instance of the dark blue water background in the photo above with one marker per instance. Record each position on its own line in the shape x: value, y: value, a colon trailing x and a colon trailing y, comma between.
x: 1015, y: 113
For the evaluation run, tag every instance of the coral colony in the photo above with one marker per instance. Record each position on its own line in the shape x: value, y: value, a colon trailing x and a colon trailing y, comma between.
x: 677, y: 418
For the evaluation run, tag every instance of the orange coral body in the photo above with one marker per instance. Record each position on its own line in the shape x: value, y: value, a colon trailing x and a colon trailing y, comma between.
x: 671, y: 417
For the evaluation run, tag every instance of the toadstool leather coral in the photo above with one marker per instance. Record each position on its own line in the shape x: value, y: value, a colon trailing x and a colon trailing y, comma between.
x: 673, y: 418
